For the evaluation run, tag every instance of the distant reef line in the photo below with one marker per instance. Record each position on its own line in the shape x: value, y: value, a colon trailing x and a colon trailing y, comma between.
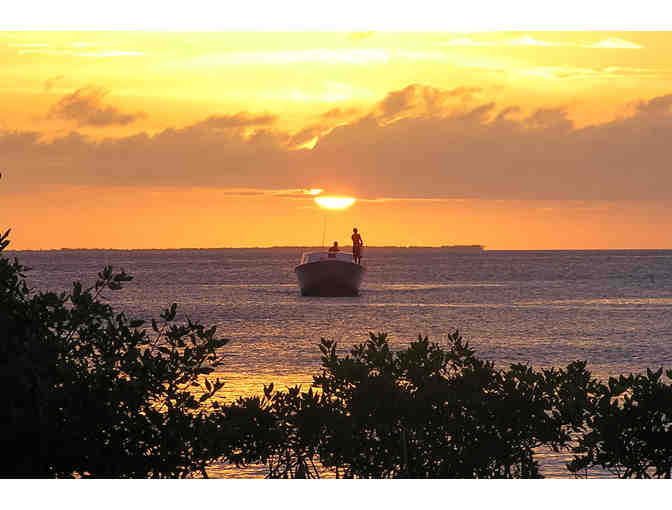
x: 474, y: 248
x: 446, y: 249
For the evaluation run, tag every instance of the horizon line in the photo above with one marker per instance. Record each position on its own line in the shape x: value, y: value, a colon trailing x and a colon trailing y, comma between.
x: 308, y: 247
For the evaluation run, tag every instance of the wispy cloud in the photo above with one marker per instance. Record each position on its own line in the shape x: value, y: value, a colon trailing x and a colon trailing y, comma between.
x: 288, y: 193
x: 419, y: 99
x: 49, y: 83
x: 521, y: 41
x: 465, y: 41
x: 419, y: 55
x: 358, y: 36
x: 361, y: 56
x: 295, y: 193
x: 241, y: 119
x: 78, y: 52
x: 112, y: 53
x: 307, y: 137
x: 615, y: 42
x: 339, y: 113
x: 608, y: 72
x: 28, y: 45
x: 85, y: 107
x: 526, y: 40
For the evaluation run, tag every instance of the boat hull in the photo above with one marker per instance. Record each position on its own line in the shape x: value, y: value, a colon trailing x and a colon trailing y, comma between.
x: 329, y: 278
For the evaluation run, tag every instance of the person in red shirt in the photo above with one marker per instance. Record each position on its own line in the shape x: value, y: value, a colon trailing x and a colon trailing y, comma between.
x: 357, y: 244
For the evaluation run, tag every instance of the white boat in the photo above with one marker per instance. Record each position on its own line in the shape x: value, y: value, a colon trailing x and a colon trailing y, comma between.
x: 321, y: 273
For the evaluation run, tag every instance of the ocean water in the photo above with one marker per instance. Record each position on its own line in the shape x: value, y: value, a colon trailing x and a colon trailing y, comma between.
x: 545, y: 308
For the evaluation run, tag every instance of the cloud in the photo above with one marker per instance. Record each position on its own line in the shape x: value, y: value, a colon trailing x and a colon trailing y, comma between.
x: 358, y: 36
x: 486, y: 153
x: 576, y: 73
x: 526, y: 40
x: 238, y: 120
x: 422, y: 100
x: 78, y: 53
x: 549, y: 118
x: 306, y: 136
x: 355, y: 56
x: 295, y: 193
x: 323, y: 55
x: 417, y: 142
x: 340, y: 113
x: 615, y: 43
x: 285, y: 193
x: 85, y: 107
x: 45, y: 51
x: 28, y: 45
x: 465, y: 41
x: 48, y: 84
x: 658, y: 107
x: 111, y: 53
x: 504, y: 114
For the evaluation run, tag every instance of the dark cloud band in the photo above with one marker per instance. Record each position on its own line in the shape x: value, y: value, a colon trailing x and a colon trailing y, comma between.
x: 414, y: 143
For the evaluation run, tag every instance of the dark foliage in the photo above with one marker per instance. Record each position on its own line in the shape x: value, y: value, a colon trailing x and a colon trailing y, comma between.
x: 629, y: 428
x: 425, y: 412
x: 91, y: 393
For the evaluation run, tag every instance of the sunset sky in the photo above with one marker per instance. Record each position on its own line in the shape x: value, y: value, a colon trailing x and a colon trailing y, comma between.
x: 513, y: 140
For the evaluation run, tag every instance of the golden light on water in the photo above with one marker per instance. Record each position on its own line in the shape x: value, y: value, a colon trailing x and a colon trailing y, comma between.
x: 313, y: 191
x: 334, y: 202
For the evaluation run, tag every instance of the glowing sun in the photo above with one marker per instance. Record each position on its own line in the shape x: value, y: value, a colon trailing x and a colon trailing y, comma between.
x: 334, y: 202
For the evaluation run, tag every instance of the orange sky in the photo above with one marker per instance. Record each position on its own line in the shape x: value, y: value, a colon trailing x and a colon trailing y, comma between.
x: 514, y: 140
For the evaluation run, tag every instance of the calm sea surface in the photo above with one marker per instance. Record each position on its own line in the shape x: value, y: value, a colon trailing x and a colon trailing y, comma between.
x: 545, y: 308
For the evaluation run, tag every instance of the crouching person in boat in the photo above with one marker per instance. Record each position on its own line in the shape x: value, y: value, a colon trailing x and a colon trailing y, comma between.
x: 333, y: 249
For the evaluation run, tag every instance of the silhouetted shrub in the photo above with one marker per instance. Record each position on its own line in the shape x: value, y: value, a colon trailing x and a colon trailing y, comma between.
x: 91, y: 393
x: 423, y: 412
x: 628, y: 428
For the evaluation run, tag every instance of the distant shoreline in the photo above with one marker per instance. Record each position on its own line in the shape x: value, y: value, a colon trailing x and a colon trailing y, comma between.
x: 344, y: 248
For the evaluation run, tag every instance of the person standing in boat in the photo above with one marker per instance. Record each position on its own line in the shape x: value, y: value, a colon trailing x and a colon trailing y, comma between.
x: 333, y: 249
x: 357, y: 243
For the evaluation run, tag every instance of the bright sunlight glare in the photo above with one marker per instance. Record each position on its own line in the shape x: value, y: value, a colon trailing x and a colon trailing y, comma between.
x: 334, y: 202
